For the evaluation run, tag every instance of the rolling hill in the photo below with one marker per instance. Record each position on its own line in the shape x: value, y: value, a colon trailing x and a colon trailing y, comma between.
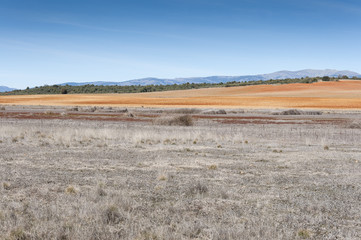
x: 5, y: 89
x: 224, y: 79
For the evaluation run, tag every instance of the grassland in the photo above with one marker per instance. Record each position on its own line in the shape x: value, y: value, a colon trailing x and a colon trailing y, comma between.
x: 111, y: 173
x: 321, y: 95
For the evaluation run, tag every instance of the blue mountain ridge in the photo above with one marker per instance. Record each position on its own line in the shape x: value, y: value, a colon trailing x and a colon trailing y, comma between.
x: 6, y: 89
x: 224, y: 79
x: 215, y: 79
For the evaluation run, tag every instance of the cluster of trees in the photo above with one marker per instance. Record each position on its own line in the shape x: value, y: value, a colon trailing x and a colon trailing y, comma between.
x: 67, y: 89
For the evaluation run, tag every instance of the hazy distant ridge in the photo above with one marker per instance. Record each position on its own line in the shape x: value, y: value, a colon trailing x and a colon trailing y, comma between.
x: 224, y: 79
x: 5, y: 89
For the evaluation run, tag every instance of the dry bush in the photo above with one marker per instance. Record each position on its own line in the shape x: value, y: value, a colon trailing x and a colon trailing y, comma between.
x: 354, y: 125
x: 2, y: 108
x: 215, y: 112
x: 74, y: 109
x: 212, y: 167
x: 101, y: 192
x: 125, y: 110
x: 131, y: 115
x: 183, y: 120
x: 185, y: 111
x: 180, y: 111
x: 198, y: 188
x: 50, y: 113
x: 112, y: 215
x: 89, y: 109
x: 162, y: 177
x: 298, y: 112
x: 6, y: 186
x: 70, y: 190
x: 313, y: 113
x: 303, y: 234
x: 18, y: 234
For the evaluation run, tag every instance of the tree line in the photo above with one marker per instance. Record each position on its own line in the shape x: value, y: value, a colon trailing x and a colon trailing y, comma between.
x: 90, y: 88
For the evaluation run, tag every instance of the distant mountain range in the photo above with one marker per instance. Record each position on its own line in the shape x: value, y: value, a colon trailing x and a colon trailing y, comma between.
x: 217, y: 79
x: 224, y: 79
x: 5, y: 89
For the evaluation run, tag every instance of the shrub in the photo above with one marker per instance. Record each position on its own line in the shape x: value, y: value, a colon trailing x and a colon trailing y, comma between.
x: 125, y: 110
x: 101, y: 192
x: 214, y: 112
x: 18, y: 234
x: 298, y: 112
x: 183, y: 120
x: 326, y: 78
x: 291, y: 112
x: 198, y: 188
x: 355, y: 125
x: 70, y: 190
x: 185, y: 111
x: 112, y: 215
x: 6, y: 186
x: 64, y: 91
x: 74, y: 109
x: 304, y: 234
x: 65, y: 232
x: 212, y: 167
x: 162, y: 178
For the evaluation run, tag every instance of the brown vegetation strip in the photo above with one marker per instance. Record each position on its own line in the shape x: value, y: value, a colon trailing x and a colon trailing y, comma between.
x: 151, y: 117
x: 93, y: 117
x: 283, y: 121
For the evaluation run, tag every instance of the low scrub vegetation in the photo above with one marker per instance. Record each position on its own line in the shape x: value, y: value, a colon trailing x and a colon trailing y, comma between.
x: 183, y: 120
x: 214, y: 112
x: 355, y: 125
x: 180, y: 111
x: 298, y: 112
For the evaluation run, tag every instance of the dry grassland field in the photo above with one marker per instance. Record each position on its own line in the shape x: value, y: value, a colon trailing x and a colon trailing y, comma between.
x: 87, y: 167
x: 323, y: 95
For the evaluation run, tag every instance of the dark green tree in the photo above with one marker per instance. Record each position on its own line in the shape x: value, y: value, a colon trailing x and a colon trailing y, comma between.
x: 326, y: 78
x: 64, y: 91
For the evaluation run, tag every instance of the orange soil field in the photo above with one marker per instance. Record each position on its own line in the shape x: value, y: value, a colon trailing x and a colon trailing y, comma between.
x: 345, y: 94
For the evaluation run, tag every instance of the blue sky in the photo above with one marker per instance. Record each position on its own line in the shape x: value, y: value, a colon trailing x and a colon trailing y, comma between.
x: 48, y: 42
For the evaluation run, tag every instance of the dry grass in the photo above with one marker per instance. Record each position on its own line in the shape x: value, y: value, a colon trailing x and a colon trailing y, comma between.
x: 111, y: 180
x: 322, y: 95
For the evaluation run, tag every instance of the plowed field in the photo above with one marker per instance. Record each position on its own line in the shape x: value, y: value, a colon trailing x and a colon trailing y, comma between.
x: 323, y: 95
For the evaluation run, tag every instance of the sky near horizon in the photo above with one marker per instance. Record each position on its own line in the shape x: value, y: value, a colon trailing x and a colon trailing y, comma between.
x: 49, y: 42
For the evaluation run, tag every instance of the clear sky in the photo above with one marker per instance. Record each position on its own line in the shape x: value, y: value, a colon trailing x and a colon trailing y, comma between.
x: 56, y: 41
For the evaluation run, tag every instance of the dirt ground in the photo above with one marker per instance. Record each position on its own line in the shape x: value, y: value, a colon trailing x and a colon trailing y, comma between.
x: 322, y: 95
x: 125, y: 173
